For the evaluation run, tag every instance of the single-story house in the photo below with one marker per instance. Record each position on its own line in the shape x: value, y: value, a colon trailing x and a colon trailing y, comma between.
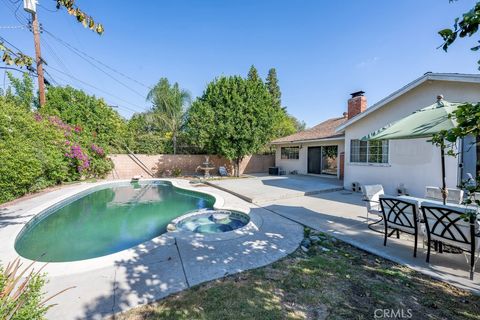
x: 333, y: 147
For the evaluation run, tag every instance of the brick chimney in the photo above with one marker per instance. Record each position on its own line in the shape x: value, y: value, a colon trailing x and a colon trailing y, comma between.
x: 356, y: 104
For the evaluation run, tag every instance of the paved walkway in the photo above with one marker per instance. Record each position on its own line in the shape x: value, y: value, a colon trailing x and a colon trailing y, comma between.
x: 155, y: 269
x: 343, y: 215
x: 263, y: 188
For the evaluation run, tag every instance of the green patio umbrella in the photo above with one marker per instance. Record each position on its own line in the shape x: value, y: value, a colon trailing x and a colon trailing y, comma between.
x: 423, y: 123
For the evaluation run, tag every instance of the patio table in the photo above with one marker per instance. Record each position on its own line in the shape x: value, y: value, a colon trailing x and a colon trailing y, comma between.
x: 439, y: 202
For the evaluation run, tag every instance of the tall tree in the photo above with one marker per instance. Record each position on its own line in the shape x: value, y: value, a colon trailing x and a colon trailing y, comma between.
x: 274, y: 88
x: 170, y: 103
x: 253, y: 74
x: 233, y: 118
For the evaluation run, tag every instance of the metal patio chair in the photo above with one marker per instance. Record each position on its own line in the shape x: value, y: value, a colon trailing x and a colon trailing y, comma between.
x: 400, y: 215
x: 452, y: 226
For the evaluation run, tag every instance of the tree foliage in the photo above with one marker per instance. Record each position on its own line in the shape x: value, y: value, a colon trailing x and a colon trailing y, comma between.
x: 99, y: 122
x: 146, y: 135
x: 67, y: 141
x: 169, y: 105
x: 10, y: 57
x: 467, y: 115
x: 463, y: 27
x: 24, y: 95
x: 31, y: 152
x: 86, y: 20
x: 285, y: 123
x: 253, y: 74
x: 274, y: 88
x: 233, y: 118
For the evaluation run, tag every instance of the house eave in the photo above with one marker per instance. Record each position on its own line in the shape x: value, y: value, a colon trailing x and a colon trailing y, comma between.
x: 458, y: 77
x: 340, y: 138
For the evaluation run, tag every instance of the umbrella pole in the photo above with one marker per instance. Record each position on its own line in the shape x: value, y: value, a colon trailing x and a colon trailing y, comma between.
x: 444, y: 182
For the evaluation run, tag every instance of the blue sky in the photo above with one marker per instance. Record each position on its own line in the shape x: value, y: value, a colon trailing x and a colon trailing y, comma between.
x: 322, y: 50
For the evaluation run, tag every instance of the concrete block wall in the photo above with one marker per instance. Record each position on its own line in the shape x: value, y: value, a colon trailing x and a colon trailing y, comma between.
x: 125, y: 167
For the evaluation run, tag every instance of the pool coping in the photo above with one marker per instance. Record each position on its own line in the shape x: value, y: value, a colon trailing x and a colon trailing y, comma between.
x: 67, y: 268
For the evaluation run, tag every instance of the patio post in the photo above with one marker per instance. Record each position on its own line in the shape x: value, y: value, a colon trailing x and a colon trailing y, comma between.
x: 444, y: 183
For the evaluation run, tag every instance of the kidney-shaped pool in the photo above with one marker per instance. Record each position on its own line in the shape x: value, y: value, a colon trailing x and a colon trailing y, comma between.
x: 107, y: 220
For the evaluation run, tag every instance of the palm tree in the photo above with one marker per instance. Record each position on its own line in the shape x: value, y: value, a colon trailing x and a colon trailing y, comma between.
x: 169, y: 107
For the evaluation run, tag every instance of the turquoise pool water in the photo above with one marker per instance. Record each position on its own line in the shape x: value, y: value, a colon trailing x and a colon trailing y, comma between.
x: 106, y: 221
x: 214, y: 221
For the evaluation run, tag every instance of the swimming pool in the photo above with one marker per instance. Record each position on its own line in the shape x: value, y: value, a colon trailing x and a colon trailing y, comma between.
x: 211, y: 221
x: 106, y: 220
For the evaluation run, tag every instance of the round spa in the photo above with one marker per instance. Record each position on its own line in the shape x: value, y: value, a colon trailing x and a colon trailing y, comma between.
x: 106, y: 219
x: 211, y: 221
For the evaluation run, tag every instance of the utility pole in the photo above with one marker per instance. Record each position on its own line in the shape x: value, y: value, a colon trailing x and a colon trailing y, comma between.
x: 31, y: 6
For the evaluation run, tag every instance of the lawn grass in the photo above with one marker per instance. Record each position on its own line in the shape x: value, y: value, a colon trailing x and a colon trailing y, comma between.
x: 333, y: 280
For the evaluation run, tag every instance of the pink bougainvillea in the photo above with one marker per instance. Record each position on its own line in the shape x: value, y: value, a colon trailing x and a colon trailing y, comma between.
x: 97, y: 149
x: 37, y: 116
x: 78, y: 156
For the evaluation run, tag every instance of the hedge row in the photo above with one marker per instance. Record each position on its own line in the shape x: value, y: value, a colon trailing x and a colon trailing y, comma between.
x: 39, y: 151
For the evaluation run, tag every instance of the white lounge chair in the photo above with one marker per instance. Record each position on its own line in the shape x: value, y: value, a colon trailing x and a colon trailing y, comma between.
x: 371, y: 197
x: 453, y: 195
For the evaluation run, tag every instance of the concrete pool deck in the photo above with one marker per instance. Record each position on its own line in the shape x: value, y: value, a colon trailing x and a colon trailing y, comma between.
x: 263, y: 188
x: 342, y: 214
x: 154, y: 269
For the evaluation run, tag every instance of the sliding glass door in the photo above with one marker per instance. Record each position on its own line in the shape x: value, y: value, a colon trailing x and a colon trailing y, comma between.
x: 323, y: 160
x: 329, y: 160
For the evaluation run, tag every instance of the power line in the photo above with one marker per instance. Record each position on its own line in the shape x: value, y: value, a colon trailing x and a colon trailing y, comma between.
x: 15, y: 69
x: 13, y: 27
x: 47, y: 9
x: 11, y: 6
x: 11, y: 45
x: 66, y: 82
x: 101, y: 90
x: 78, y: 51
x: 52, y: 79
x: 56, y: 56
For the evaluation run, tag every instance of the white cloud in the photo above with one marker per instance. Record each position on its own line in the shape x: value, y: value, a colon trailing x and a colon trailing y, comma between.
x: 367, y: 63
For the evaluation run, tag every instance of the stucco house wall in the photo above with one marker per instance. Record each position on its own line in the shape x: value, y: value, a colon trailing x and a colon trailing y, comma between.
x: 301, y: 164
x: 415, y: 163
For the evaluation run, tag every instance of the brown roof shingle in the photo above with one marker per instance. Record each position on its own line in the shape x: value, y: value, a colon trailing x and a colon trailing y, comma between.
x: 323, y: 130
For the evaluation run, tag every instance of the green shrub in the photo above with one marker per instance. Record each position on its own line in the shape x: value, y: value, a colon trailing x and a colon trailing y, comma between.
x: 31, y: 152
x: 37, y: 151
x: 96, y: 120
x: 21, y: 296
x: 176, y: 172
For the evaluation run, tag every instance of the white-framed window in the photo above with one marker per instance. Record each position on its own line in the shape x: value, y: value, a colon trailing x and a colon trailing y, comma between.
x: 291, y: 153
x: 368, y: 151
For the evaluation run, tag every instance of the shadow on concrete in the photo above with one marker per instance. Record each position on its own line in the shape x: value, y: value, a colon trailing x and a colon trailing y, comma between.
x: 301, y: 183
x: 448, y: 267
x: 9, y: 217
x: 343, y: 196
x: 158, y: 270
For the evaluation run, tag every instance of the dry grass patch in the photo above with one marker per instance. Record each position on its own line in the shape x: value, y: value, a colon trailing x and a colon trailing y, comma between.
x: 333, y: 280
